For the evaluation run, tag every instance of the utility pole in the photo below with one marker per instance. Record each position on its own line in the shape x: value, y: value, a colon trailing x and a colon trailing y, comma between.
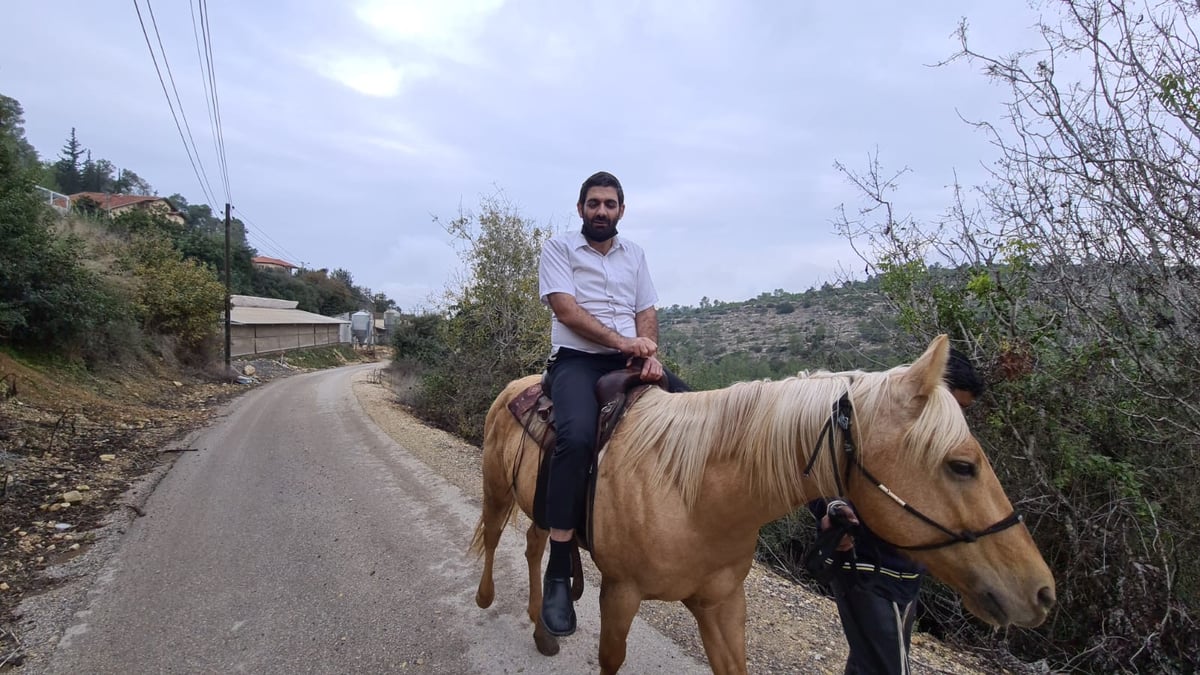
x: 228, y: 299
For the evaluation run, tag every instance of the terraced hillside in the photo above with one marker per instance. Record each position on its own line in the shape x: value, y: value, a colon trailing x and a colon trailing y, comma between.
x: 777, y: 334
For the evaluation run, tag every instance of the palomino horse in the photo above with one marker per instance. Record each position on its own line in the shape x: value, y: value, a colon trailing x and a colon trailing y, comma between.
x: 688, y: 479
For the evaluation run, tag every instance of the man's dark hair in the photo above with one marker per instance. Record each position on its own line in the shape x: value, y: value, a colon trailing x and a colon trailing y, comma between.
x: 961, y: 374
x: 602, y: 179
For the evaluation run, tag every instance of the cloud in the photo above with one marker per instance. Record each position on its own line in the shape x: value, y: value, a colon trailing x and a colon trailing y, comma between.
x: 405, y: 41
x: 371, y: 74
x: 443, y: 28
x: 421, y: 266
x: 395, y: 140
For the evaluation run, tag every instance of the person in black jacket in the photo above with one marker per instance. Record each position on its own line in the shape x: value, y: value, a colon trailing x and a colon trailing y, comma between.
x: 876, y: 587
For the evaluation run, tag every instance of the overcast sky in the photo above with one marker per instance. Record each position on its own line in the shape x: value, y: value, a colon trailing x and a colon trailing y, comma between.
x: 349, y: 125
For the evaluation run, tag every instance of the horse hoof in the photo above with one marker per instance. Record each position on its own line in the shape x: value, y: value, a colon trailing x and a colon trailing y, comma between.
x: 546, y: 643
x: 483, y: 602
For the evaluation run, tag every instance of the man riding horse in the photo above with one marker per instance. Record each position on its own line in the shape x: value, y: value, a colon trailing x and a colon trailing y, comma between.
x: 599, y: 288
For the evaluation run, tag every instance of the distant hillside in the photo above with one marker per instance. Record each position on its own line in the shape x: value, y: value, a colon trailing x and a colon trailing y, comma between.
x: 777, y: 334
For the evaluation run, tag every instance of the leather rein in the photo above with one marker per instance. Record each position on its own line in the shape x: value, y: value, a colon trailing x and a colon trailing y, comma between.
x: 840, y: 418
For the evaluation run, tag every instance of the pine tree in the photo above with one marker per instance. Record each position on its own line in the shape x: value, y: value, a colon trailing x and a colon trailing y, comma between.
x: 67, y: 168
x: 97, y: 175
x: 88, y: 180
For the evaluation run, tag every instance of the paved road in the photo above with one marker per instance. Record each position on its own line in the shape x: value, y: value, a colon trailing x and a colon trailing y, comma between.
x: 301, y: 539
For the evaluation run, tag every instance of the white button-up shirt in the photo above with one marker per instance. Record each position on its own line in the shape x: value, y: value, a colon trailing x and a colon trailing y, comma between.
x: 613, y: 287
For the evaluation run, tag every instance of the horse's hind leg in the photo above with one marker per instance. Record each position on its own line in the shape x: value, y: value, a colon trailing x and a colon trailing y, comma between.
x: 498, y: 503
x: 488, y: 532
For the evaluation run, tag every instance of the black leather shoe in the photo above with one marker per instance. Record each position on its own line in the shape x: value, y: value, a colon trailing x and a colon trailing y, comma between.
x: 558, y: 612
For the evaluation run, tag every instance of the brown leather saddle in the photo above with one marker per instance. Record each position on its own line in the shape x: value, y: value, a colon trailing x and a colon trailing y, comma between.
x: 615, y: 392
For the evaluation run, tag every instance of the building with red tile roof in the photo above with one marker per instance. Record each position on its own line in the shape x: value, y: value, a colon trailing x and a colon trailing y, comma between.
x: 263, y: 262
x: 116, y: 204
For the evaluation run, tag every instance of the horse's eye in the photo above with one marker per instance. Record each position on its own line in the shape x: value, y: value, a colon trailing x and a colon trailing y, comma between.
x: 962, y: 469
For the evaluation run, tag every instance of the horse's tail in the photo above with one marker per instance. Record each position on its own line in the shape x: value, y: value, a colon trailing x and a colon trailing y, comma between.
x: 499, y: 495
x: 477, y: 539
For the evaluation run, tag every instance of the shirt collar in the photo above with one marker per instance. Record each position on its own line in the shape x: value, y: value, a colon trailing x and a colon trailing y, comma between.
x: 581, y: 241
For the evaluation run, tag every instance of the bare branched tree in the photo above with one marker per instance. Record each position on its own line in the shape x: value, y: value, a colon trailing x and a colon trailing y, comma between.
x: 1072, y: 274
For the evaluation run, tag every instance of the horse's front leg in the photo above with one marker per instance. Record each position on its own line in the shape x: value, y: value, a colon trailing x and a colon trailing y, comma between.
x: 619, y: 603
x: 722, y: 622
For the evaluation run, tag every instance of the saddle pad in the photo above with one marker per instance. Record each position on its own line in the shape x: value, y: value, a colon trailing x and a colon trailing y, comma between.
x: 522, y: 404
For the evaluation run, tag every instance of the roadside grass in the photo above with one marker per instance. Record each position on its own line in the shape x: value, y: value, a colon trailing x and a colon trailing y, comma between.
x: 325, y: 357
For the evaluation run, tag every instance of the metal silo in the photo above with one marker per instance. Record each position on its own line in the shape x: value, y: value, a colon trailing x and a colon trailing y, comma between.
x: 360, y: 326
x: 390, y: 319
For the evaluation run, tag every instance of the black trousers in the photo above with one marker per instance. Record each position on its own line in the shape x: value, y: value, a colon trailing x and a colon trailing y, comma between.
x: 570, y: 382
x: 878, y: 630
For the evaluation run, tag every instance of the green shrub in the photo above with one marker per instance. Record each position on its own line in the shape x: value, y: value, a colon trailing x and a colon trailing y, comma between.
x: 174, y: 296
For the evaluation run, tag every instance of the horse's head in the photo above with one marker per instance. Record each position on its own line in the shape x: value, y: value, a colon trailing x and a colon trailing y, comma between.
x: 914, y: 440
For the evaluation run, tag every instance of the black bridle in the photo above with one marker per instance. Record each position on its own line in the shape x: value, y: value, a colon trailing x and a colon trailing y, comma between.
x: 840, y: 418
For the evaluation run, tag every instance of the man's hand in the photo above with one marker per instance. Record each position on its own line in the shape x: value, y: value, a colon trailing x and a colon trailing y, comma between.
x: 843, y: 513
x: 640, y: 347
x: 652, y: 370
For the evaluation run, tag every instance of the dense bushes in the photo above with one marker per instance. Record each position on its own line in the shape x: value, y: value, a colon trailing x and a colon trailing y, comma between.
x: 174, y: 296
x: 49, y: 301
x: 1075, y: 283
x: 496, y: 329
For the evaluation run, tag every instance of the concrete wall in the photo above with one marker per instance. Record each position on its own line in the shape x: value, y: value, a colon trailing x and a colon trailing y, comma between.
x: 249, y: 340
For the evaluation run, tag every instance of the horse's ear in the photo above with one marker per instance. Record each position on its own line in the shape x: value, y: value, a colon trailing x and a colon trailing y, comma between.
x: 925, y: 375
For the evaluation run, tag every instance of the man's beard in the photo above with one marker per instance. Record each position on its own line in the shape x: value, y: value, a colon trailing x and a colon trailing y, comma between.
x: 593, y: 233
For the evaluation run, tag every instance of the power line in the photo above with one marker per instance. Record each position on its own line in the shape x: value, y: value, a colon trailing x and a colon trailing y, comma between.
x: 256, y: 241
x: 261, y: 244
x: 272, y: 246
x: 261, y: 232
x: 208, y: 104
x: 170, y: 105
x: 171, y: 77
x: 205, y: 26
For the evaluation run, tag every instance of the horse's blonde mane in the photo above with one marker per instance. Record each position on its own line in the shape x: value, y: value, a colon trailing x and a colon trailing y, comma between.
x: 761, y: 424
